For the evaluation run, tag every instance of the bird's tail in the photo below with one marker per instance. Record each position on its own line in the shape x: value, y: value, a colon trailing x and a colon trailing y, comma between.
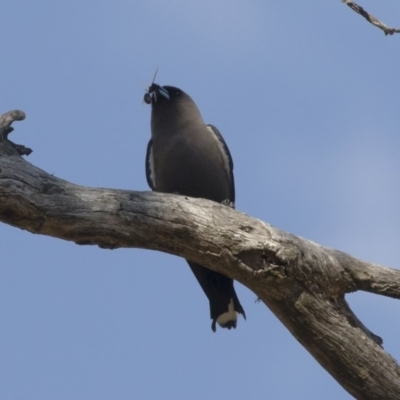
x: 219, y: 289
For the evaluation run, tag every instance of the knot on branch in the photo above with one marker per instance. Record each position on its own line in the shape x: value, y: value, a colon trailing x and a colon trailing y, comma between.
x: 5, y: 129
x: 271, y: 262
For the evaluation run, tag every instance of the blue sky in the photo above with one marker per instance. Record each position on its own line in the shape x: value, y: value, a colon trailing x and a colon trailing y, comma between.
x: 306, y: 96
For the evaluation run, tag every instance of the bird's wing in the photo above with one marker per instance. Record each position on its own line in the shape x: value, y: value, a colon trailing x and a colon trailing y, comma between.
x: 226, y: 155
x: 150, y: 172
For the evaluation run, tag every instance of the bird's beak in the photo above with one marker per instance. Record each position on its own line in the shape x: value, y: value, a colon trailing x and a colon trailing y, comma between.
x: 163, y: 92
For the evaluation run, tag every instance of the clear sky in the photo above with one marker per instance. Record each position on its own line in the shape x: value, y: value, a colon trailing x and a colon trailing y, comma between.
x: 306, y: 94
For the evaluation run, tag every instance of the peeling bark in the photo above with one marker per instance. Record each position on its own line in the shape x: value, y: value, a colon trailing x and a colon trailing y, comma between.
x: 304, y: 284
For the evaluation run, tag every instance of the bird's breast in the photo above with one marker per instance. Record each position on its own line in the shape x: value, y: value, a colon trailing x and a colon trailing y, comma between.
x: 191, y: 166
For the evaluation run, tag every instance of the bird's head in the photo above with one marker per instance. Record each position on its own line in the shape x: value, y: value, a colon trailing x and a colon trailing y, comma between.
x: 171, y: 105
x: 158, y: 94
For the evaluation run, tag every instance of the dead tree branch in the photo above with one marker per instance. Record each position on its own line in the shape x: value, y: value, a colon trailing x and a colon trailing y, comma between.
x: 304, y: 284
x: 370, y: 18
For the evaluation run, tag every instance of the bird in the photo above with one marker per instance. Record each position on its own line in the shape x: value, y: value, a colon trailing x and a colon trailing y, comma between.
x: 188, y: 157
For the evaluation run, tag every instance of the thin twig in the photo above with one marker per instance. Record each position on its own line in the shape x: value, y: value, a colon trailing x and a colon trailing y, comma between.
x: 370, y: 18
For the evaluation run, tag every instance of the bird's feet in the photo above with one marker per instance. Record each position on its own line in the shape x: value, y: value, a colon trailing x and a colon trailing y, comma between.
x: 228, y: 203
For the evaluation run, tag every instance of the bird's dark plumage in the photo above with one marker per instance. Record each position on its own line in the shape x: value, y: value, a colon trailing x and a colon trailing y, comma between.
x: 186, y: 156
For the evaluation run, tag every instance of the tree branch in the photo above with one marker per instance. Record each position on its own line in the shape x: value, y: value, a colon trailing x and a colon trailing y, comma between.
x: 5, y: 129
x: 303, y: 283
x: 372, y: 278
x: 370, y: 18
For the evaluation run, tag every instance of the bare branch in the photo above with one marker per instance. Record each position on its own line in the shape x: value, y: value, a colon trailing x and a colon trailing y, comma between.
x: 9, y: 117
x: 5, y: 129
x: 373, y: 278
x: 302, y: 282
x: 370, y: 18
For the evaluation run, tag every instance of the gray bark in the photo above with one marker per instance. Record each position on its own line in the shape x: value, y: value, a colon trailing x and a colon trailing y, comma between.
x: 370, y: 18
x: 303, y: 284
